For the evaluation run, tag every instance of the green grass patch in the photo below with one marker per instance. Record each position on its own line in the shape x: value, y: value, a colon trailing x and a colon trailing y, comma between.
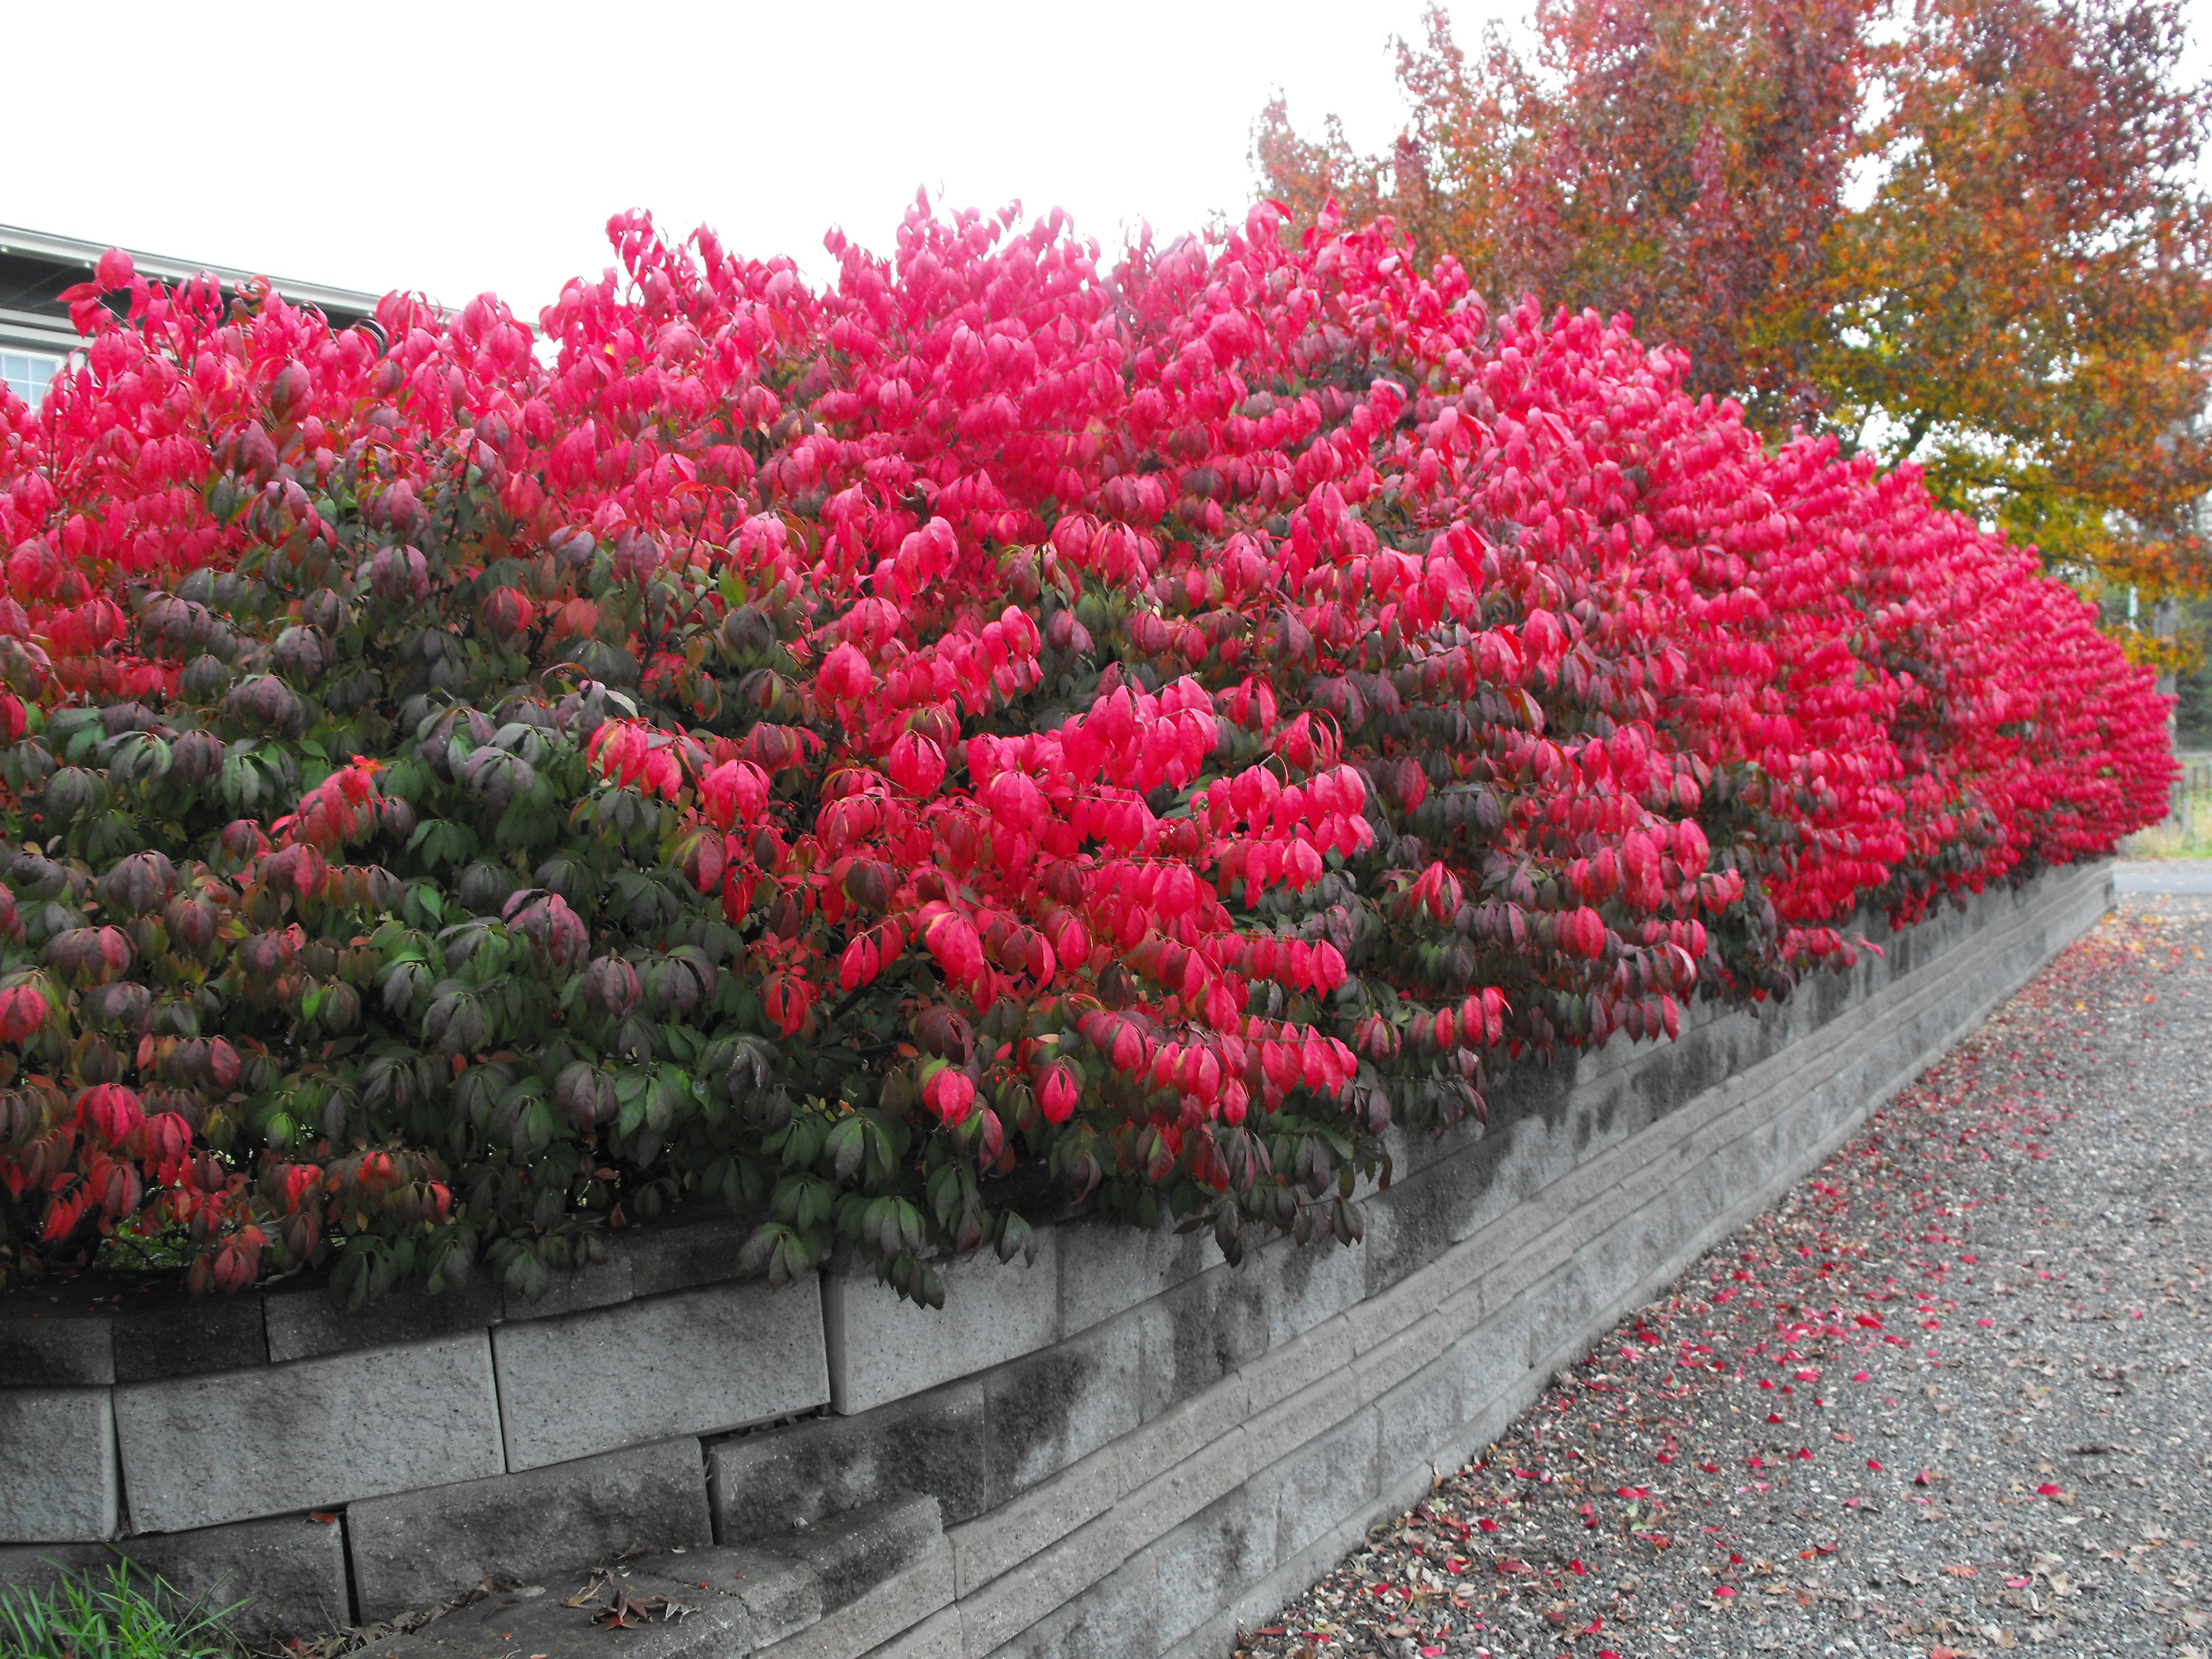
x: 2186, y: 834
x: 113, y: 1613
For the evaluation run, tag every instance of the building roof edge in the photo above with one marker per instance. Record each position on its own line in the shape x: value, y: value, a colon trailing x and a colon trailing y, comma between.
x: 15, y: 239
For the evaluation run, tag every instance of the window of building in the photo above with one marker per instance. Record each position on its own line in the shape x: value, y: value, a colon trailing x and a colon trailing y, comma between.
x: 28, y: 373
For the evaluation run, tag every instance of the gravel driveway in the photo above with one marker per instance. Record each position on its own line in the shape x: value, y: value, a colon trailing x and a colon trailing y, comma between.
x: 1949, y: 1397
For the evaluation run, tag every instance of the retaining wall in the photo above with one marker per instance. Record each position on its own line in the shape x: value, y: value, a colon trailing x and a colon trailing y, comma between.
x: 1123, y: 1450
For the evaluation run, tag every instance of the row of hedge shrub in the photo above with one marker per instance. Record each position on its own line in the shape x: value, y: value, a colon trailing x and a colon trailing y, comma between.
x: 900, y: 758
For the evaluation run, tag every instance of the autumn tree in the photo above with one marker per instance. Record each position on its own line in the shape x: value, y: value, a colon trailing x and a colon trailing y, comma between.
x: 2025, y: 296
x: 1959, y: 232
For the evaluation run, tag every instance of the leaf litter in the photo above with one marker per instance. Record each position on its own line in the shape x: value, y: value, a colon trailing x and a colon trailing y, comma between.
x: 1940, y: 1400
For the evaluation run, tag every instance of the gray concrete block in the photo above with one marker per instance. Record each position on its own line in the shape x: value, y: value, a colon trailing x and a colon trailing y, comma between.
x: 883, y: 1348
x: 1258, y: 1602
x: 414, y: 1549
x: 775, y: 1595
x: 1180, y: 1432
x: 289, y: 1572
x: 1305, y: 1417
x: 58, y: 1471
x: 1420, y: 1294
x: 1208, y: 1560
x: 165, y: 1333
x: 1106, y: 1268
x: 938, y: 1637
x: 1531, y: 1245
x: 685, y: 1252
x: 1062, y: 1576
x: 1049, y: 1408
x: 311, y: 1321
x: 1201, y: 1332
x: 1417, y: 1417
x: 899, y: 1602
x: 1176, y: 1494
x: 851, y: 1554
x: 1412, y: 1223
x: 1381, y: 1369
x: 762, y: 1485
x: 741, y: 1601
x: 1011, y: 1532
x: 1311, y: 1283
x: 1115, y: 1614
x: 1045, y: 1587
x: 40, y: 1566
x: 1321, y: 1482
x: 595, y: 1284
x: 57, y: 1338
x: 317, y: 1433
x: 698, y: 1362
x: 1564, y: 1303
x: 1296, y: 1365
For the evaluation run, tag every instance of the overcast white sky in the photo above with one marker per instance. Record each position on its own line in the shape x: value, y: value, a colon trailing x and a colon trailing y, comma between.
x: 460, y: 147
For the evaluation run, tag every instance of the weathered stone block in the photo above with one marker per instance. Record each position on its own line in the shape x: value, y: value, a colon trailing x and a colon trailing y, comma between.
x: 414, y: 1549
x: 741, y: 1601
x: 1176, y: 1493
x: 698, y: 1362
x: 877, y: 1569
x: 57, y: 1474
x: 1208, y: 1560
x: 1321, y: 1482
x: 165, y: 1333
x: 1416, y: 1417
x: 801, y: 1473
x: 1412, y: 1223
x: 685, y: 1252
x: 853, y: 1554
x: 595, y: 1284
x: 940, y: 1636
x: 1111, y: 1613
x: 37, y: 1566
x: 51, y: 1338
x: 1311, y: 1283
x: 1180, y: 1433
x: 882, y: 1348
x: 1302, y: 1419
x: 1106, y: 1268
x: 1280, y: 1372
x: 1011, y: 1532
x: 288, y: 1570
x: 898, y: 1603
x: 1049, y: 1408
x: 312, y: 1320
x: 1385, y: 1366
x: 1199, y: 1332
x: 311, y: 1435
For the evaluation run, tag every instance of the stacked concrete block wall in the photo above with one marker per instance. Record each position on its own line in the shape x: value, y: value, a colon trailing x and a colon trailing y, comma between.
x: 1124, y: 1449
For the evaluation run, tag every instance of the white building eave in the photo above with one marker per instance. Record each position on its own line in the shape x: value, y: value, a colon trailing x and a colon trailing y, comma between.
x: 43, y: 244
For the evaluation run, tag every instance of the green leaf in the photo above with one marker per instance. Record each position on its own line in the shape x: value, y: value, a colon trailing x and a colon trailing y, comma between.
x: 848, y: 1146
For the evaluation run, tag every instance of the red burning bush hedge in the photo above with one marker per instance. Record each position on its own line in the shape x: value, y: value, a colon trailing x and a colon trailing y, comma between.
x: 902, y: 758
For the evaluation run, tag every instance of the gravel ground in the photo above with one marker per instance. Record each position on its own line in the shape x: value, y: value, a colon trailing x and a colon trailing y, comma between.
x: 1948, y: 1398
